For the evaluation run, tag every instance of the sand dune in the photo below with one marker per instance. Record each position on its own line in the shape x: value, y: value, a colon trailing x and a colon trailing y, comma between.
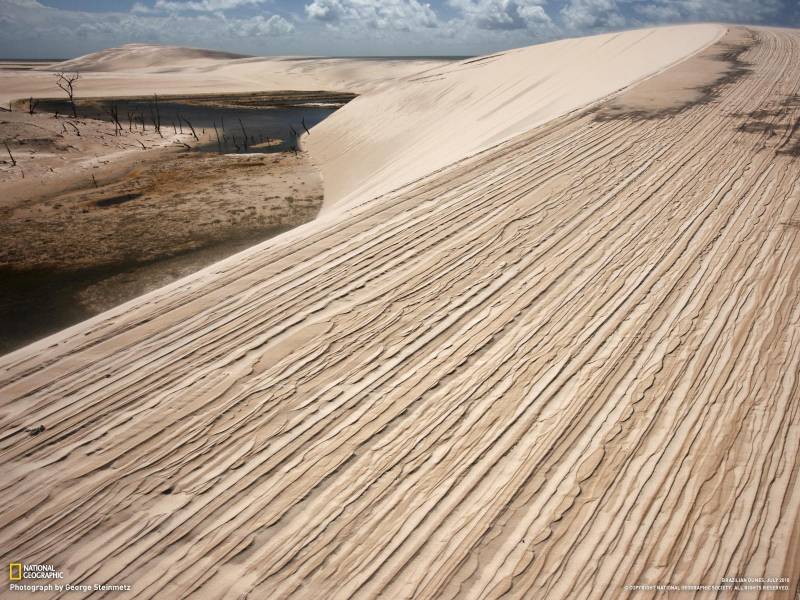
x: 559, y: 366
x: 142, y: 69
x: 142, y: 56
x: 387, y: 139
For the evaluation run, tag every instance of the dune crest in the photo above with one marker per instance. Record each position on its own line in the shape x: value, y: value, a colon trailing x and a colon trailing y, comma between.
x: 142, y: 56
x: 388, y: 138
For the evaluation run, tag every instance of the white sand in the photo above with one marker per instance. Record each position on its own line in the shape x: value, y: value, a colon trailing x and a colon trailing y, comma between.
x: 384, y: 140
x: 561, y: 366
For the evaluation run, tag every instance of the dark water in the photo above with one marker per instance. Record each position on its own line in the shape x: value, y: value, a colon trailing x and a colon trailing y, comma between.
x: 39, y: 302
x: 239, y: 129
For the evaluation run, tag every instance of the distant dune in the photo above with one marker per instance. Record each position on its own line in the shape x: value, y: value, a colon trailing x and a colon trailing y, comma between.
x: 544, y: 342
x: 139, y: 69
x: 142, y: 56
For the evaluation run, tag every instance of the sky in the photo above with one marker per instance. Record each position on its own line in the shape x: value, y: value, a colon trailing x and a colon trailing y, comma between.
x: 68, y: 28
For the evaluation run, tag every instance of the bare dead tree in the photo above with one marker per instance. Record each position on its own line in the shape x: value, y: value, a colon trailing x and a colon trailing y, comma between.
x: 114, y: 112
x: 75, y: 127
x: 303, y: 121
x: 66, y: 81
x: 11, y: 156
x: 244, y: 135
x: 219, y: 144
x: 158, y: 114
x: 32, y: 104
x: 154, y: 121
x: 192, y: 128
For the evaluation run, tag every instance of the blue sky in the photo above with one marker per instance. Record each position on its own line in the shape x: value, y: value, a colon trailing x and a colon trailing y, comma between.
x: 66, y: 28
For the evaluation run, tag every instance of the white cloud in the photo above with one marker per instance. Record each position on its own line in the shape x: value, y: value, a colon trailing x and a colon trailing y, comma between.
x: 504, y: 14
x: 259, y: 25
x: 202, y: 5
x: 27, y: 24
x: 325, y: 10
x: 24, y: 3
x: 27, y: 27
x: 592, y: 15
x: 746, y: 11
x: 370, y: 15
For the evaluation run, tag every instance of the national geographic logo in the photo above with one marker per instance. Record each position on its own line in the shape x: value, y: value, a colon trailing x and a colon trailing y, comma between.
x: 45, y: 579
x: 20, y: 571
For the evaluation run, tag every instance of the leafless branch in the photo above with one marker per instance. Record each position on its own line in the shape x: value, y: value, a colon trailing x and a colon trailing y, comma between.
x: 244, y: 134
x: 13, y: 160
x: 66, y: 81
x: 192, y: 128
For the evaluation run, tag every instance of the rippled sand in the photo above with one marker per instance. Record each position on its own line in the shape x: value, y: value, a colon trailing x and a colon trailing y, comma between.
x: 566, y: 363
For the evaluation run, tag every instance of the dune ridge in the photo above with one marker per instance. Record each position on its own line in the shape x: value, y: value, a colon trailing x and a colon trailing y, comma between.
x: 390, y: 137
x: 143, y: 56
x: 565, y: 364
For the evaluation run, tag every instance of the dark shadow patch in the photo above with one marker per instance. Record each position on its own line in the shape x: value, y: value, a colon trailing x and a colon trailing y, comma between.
x: 247, y: 165
x: 792, y: 101
x: 737, y: 68
x: 37, y: 302
x: 775, y: 122
x: 119, y: 199
x: 767, y: 127
x: 729, y: 53
x: 792, y: 148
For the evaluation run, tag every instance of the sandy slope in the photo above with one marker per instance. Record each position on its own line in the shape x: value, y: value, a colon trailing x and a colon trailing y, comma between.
x: 560, y: 366
x: 390, y: 138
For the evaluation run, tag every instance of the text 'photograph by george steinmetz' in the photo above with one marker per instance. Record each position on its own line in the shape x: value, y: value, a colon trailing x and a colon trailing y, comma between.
x: 366, y: 299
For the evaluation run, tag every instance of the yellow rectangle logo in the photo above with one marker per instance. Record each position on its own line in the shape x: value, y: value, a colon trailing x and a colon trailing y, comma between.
x: 15, y: 571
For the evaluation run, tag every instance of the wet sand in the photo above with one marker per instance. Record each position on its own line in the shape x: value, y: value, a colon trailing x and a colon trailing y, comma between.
x: 72, y: 249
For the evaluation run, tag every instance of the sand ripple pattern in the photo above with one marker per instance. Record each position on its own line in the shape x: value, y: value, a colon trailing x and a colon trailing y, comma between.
x: 564, y: 365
